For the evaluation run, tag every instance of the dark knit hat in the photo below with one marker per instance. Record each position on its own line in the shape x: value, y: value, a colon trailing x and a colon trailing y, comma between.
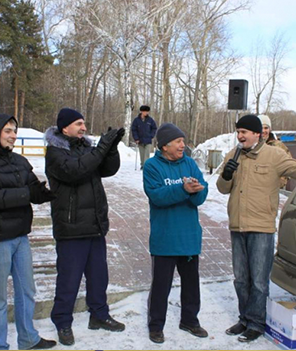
x: 67, y: 116
x: 166, y: 133
x: 250, y: 122
x: 144, y: 108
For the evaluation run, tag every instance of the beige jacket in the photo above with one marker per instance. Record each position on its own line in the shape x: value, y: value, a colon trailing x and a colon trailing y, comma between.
x: 278, y: 143
x: 254, y: 188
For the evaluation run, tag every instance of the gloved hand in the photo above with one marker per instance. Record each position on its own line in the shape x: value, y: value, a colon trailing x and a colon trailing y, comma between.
x: 229, y: 168
x: 106, y: 141
x: 120, y: 134
x: 39, y: 193
x: 48, y: 195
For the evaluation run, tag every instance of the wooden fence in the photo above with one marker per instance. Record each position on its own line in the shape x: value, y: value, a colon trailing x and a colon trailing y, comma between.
x: 26, y: 146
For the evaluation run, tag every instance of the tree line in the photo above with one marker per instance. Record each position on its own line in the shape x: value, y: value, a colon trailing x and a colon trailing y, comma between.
x: 106, y: 58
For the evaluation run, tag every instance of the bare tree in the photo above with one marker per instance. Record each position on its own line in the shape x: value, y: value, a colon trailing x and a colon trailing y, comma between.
x: 125, y: 28
x: 53, y: 15
x: 266, y: 67
x: 205, y: 30
x: 165, y: 24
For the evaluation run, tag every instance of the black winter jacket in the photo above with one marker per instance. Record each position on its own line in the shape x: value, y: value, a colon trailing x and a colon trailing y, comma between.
x: 15, y: 209
x: 15, y: 177
x: 74, y: 169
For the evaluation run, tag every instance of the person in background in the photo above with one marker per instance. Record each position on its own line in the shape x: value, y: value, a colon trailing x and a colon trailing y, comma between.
x: 253, y: 182
x: 175, y: 188
x: 19, y: 188
x: 80, y: 219
x: 143, y: 131
x: 270, y: 139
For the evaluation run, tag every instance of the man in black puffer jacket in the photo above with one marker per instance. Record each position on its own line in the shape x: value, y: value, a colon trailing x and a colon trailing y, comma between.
x: 19, y: 186
x: 80, y: 219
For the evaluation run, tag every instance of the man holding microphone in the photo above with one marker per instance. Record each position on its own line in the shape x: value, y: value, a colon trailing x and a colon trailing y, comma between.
x: 252, y: 179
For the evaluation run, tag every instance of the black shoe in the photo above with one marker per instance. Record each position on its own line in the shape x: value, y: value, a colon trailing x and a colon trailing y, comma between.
x: 249, y: 335
x: 108, y: 324
x: 156, y: 336
x: 236, y: 329
x: 43, y: 344
x: 194, y: 330
x: 66, y: 336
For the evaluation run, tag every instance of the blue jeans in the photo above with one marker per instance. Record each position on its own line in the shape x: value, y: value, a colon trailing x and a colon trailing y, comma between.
x: 16, y: 259
x: 252, y: 258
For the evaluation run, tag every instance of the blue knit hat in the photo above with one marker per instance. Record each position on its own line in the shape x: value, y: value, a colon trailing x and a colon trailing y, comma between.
x: 166, y: 133
x: 67, y: 116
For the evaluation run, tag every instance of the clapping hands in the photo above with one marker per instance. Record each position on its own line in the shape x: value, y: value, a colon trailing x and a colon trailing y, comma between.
x: 120, y: 134
x: 110, y: 140
x: 192, y: 185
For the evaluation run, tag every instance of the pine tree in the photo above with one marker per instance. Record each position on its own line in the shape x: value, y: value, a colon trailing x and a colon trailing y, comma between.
x: 21, y: 43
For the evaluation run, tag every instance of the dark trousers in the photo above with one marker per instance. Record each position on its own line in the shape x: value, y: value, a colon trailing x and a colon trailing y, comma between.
x: 162, y: 276
x: 75, y: 258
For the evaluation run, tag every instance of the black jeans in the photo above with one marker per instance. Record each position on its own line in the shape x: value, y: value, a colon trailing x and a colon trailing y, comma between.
x: 162, y: 276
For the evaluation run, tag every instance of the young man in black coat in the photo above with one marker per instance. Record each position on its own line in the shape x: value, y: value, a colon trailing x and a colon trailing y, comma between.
x: 80, y: 219
x: 19, y: 186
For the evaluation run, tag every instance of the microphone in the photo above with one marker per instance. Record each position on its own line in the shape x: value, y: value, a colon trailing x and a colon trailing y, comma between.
x: 237, y: 151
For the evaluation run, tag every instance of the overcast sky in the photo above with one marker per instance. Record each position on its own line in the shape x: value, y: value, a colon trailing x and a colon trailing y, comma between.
x: 265, y: 19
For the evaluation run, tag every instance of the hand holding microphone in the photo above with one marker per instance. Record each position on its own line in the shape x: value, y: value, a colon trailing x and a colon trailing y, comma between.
x: 232, y: 164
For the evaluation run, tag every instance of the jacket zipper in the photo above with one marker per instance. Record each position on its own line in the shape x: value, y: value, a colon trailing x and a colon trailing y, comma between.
x: 70, y: 209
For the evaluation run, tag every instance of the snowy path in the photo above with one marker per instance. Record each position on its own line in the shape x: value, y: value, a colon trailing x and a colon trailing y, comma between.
x: 219, y: 311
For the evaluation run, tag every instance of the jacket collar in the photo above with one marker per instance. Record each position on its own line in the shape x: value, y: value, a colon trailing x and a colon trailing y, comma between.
x: 55, y: 138
x: 5, y: 152
x: 146, y: 117
x: 254, y: 152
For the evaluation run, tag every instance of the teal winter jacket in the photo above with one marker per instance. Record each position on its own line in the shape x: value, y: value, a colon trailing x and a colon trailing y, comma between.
x: 174, y: 223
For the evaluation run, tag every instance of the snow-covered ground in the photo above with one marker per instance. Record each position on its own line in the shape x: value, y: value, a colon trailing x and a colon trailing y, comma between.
x: 219, y: 303
x: 218, y: 312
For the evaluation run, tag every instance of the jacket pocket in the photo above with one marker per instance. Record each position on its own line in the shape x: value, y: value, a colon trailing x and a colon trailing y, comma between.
x: 261, y: 169
x: 261, y: 177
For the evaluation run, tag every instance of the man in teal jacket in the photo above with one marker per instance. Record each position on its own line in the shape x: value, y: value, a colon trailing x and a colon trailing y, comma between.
x: 175, y: 188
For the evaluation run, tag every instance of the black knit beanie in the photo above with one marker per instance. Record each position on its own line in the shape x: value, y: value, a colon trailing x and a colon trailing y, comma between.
x: 144, y: 108
x: 67, y: 116
x: 166, y: 133
x: 250, y: 122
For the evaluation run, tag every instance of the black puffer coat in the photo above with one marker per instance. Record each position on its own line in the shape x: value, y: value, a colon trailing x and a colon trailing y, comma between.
x: 15, y: 177
x: 74, y: 169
